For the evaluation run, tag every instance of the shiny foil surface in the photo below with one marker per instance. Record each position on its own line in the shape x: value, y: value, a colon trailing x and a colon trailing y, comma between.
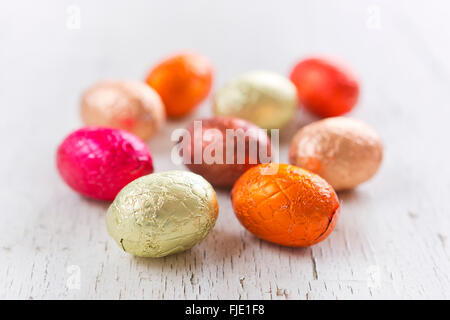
x: 346, y: 152
x: 183, y: 81
x: 225, y: 174
x: 325, y: 87
x: 285, y: 204
x: 261, y: 97
x: 124, y: 104
x: 162, y: 213
x: 98, y: 162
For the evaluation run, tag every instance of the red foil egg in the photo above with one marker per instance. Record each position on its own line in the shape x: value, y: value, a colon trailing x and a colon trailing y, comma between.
x: 324, y: 87
x: 98, y: 162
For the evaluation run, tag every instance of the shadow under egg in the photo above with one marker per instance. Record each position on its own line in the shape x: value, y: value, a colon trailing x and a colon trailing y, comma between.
x: 218, y: 246
x: 301, y: 119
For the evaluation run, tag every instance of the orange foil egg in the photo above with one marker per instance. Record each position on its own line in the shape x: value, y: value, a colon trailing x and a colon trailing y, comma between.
x: 183, y: 81
x: 285, y: 204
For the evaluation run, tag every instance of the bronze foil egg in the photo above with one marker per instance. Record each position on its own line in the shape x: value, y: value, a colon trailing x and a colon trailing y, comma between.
x: 346, y: 152
x: 123, y: 104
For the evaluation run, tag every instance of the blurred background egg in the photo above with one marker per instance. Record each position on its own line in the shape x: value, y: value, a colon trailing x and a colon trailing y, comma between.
x: 325, y: 87
x: 264, y: 98
x: 346, y: 152
x: 183, y: 81
x: 124, y: 104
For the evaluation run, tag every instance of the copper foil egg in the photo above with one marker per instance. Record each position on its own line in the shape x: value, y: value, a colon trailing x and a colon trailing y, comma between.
x: 123, y: 104
x: 226, y: 147
x: 162, y: 213
x: 265, y: 98
x: 346, y: 152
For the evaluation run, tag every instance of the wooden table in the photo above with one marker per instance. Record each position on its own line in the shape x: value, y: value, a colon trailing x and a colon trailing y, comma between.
x: 392, y: 239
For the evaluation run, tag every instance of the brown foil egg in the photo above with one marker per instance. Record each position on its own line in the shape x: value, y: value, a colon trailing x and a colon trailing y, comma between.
x: 207, y: 151
x: 123, y: 104
x: 346, y: 152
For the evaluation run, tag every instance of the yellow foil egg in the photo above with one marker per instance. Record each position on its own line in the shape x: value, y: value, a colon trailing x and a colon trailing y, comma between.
x: 162, y: 213
x: 123, y: 104
x: 265, y: 98
x: 346, y: 152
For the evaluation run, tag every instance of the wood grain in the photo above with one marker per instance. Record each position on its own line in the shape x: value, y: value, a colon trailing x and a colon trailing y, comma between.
x: 392, y: 239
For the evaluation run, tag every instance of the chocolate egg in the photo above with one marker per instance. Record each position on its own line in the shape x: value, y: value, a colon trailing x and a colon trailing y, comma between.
x: 183, y: 80
x: 325, y: 87
x: 264, y: 98
x: 222, y: 159
x: 343, y: 151
x: 98, y: 162
x: 124, y: 104
x: 285, y: 204
x: 162, y: 213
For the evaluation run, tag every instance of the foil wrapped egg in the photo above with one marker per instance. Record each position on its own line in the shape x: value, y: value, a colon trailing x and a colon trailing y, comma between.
x: 264, y: 98
x: 325, y: 87
x: 346, y: 152
x: 123, y: 104
x: 285, y: 204
x: 98, y: 162
x: 183, y: 81
x: 162, y: 213
x: 226, y: 148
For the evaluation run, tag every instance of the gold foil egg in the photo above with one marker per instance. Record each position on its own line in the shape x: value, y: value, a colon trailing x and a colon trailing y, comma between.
x: 346, y: 152
x: 162, y: 213
x: 265, y: 98
x: 123, y: 104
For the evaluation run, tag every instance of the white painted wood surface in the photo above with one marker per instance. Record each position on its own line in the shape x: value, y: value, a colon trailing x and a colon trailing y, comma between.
x: 392, y: 239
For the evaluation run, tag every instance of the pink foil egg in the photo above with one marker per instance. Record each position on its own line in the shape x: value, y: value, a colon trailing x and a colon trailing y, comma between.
x: 98, y: 162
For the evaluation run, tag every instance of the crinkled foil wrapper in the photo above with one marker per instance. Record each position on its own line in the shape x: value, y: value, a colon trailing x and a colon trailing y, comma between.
x: 267, y: 99
x: 291, y: 207
x: 344, y: 151
x: 125, y: 104
x: 162, y: 213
